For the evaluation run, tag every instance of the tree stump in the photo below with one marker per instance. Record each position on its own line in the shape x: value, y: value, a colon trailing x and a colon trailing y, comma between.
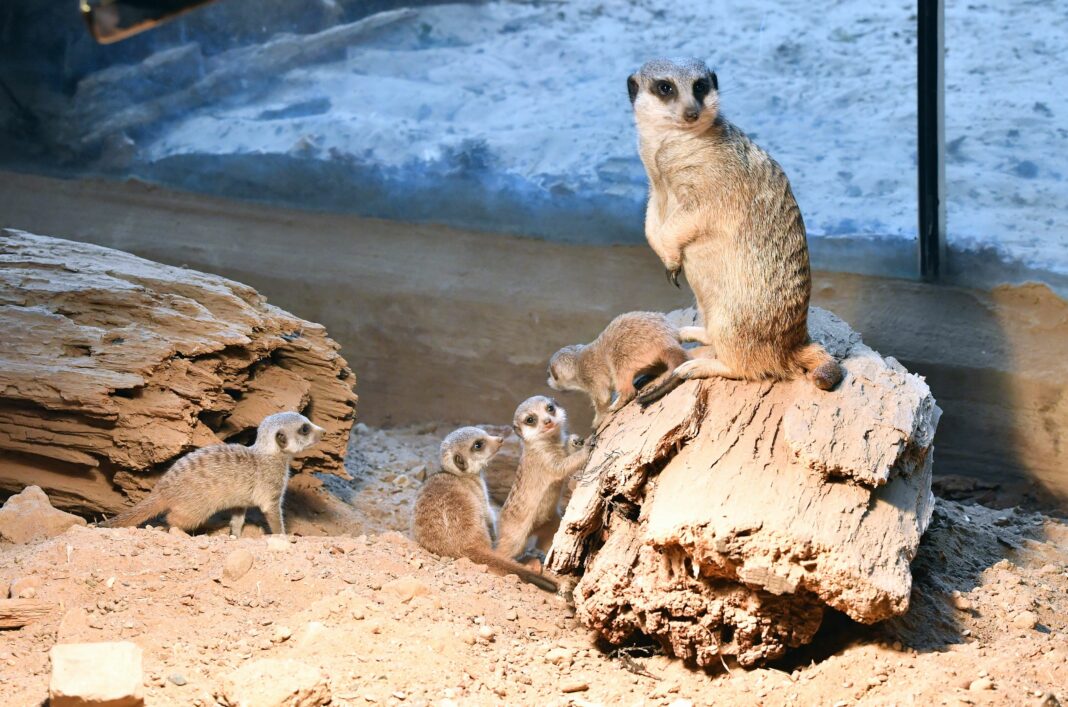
x: 112, y: 366
x: 724, y: 519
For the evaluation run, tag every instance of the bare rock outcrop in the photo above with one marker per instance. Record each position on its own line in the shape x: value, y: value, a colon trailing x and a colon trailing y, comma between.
x: 111, y: 366
x: 725, y: 518
x: 28, y: 517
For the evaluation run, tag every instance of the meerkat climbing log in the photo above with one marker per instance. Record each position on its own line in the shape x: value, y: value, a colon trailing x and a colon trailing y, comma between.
x: 725, y: 518
x: 112, y: 366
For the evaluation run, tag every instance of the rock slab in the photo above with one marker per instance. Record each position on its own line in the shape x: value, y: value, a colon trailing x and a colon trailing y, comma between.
x: 725, y: 519
x: 96, y: 675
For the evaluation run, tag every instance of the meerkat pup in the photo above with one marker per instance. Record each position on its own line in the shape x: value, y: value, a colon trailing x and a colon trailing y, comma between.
x: 550, y: 456
x: 721, y: 209
x: 632, y: 345
x: 453, y: 516
x: 228, y: 476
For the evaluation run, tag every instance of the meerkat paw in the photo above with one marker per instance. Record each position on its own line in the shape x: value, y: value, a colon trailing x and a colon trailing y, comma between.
x: 672, y: 272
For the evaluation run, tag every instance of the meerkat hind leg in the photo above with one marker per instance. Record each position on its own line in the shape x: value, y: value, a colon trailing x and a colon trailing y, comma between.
x: 694, y: 368
x: 237, y: 522
x: 273, y: 514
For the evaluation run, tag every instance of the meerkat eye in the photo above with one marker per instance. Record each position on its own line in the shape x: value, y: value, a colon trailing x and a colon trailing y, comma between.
x: 477, y: 445
x: 550, y: 409
x: 280, y: 438
x: 530, y: 420
x: 664, y: 88
x: 305, y: 429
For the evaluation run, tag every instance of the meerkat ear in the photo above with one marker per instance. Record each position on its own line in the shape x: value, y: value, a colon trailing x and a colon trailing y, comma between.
x: 632, y: 88
x: 515, y: 428
x: 280, y: 438
x: 458, y: 460
x: 714, y: 80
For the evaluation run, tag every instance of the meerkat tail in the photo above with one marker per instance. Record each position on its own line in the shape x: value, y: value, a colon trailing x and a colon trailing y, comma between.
x: 495, y: 561
x: 822, y: 369
x: 146, y: 509
x: 659, y: 387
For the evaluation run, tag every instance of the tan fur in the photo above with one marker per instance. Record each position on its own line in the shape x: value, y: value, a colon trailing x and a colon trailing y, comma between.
x: 722, y: 210
x: 632, y: 344
x: 550, y: 456
x: 228, y: 476
x: 453, y: 516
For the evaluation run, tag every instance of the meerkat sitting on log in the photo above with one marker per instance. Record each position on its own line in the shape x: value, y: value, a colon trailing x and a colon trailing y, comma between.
x: 721, y: 210
x: 453, y: 516
x: 228, y: 476
x: 632, y: 345
x: 550, y: 456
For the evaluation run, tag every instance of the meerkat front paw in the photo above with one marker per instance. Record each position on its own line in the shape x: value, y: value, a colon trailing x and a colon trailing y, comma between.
x: 672, y: 273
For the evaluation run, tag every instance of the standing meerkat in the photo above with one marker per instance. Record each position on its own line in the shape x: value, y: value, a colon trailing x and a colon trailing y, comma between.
x: 228, y: 476
x: 633, y: 344
x: 549, y: 457
x: 721, y: 209
x: 453, y: 516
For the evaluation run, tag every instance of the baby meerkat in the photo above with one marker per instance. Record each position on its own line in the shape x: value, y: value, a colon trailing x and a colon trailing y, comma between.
x: 721, y: 209
x: 632, y: 345
x: 549, y: 457
x: 453, y: 516
x: 228, y: 476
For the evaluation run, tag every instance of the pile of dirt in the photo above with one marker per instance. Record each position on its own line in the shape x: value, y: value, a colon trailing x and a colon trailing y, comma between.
x: 387, y: 623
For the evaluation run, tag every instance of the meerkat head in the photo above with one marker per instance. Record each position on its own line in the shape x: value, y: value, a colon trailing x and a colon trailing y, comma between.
x: 563, y: 368
x: 287, y: 433
x: 539, y: 418
x: 468, y: 450
x: 674, y: 95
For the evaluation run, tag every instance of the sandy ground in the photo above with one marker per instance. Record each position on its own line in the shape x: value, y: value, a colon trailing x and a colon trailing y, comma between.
x: 388, y: 623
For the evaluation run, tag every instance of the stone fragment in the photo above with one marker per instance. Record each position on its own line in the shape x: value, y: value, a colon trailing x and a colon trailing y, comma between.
x: 96, y: 675
x: 28, y: 517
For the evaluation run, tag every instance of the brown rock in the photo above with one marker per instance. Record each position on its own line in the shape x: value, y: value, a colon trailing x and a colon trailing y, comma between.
x: 1025, y: 620
x: 28, y: 517
x: 273, y: 682
x: 237, y: 564
x: 96, y: 674
x: 25, y: 587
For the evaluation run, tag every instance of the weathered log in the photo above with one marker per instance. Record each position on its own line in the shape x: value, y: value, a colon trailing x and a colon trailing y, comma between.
x: 16, y: 613
x: 111, y: 366
x: 723, y: 519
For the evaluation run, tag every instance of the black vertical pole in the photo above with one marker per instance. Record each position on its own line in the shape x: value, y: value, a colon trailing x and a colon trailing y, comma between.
x: 931, y: 137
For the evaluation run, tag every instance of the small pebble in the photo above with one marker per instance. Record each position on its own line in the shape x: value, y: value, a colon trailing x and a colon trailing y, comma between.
x: 577, y: 686
x: 486, y: 632
x: 981, y: 684
x: 1025, y: 620
x: 178, y: 679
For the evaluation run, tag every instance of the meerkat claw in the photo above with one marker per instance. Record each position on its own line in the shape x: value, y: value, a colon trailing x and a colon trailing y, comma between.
x: 673, y: 276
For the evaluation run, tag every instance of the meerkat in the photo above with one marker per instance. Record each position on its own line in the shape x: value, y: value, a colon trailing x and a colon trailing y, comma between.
x: 228, y: 476
x: 550, y: 456
x: 722, y: 210
x: 632, y: 345
x: 453, y: 516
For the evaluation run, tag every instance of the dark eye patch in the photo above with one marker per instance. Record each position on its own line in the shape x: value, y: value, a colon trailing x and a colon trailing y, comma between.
x: 664, y: 88
x: 701, y: 88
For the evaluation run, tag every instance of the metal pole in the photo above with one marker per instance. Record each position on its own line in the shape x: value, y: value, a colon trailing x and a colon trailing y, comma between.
x: 930, y: 137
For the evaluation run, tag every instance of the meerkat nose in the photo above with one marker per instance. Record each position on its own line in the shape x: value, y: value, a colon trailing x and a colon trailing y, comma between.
x: 691, y: 114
